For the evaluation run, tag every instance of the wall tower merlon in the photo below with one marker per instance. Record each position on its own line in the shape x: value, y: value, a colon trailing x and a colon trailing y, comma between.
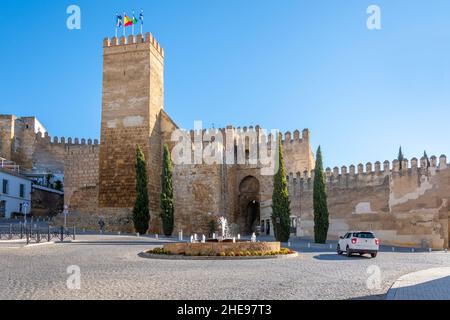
x: 305, y: 135
x: 414, y: 163
x: 287, y: 137
x: 377, y: 167
x: 369, y: 168
x: 443, y: 162
x: 352, y: 170
x: 336, y: 172
x: 114, y: 41
x: 360, y: 168
x: 433, y: 161
x: 123, y: 40
x: 395, y: 165
x: 386, y: 166
x: 131, y: 39
x: 344, y: 170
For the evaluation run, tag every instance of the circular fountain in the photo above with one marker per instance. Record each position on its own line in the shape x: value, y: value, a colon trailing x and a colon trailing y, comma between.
x: 222, y: 247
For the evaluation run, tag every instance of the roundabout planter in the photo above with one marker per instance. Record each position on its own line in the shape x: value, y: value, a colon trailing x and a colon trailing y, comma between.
x: 220, y: 250
x: 209, y: 258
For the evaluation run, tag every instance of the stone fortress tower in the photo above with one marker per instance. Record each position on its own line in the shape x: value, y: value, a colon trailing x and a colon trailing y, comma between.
x: 133, y: 98
x: 408, y: 206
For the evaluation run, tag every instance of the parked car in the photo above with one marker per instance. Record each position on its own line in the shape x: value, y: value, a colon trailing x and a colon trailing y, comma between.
x: 361, y: 242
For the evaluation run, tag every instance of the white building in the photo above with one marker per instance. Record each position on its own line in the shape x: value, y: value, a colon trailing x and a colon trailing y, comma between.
x: 15, y: 194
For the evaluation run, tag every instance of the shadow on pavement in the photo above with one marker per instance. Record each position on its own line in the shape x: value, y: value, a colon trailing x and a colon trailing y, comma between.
x: 336, y: 257
x: 115, y: 243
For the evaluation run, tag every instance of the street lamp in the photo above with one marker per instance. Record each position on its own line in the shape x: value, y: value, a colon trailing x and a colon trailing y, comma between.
x: 25, y: 207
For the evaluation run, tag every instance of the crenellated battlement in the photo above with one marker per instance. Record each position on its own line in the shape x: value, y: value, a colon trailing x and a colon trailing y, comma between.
x: 134, y: 40
x: 287, y: 138
x: 370, y: 172
x: 62, y: 141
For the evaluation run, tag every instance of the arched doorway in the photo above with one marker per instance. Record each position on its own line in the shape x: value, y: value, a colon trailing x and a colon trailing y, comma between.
x: 249, y: 205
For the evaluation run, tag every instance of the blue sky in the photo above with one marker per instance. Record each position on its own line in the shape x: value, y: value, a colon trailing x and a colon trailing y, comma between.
x: 285, y: 64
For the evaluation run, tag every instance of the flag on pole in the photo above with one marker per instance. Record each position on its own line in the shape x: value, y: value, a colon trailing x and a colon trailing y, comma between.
x: 141, y: 18
x: 134, y: 20
x: 127, y: 21
x: 119, y: 20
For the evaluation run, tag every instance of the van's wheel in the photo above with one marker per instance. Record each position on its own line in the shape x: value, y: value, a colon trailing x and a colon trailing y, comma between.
x: 374, y: 255
x: 339, y: 252
x: 348, y: 252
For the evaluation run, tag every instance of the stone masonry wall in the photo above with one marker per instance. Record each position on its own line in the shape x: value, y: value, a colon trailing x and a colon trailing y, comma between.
x: 133, y: 97
x: 404, y: 207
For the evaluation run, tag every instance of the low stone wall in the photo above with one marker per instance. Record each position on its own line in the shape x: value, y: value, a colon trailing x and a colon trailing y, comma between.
x: 215, y: 248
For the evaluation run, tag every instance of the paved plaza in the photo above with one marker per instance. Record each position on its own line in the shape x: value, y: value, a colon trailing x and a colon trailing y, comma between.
x: 111, y: 269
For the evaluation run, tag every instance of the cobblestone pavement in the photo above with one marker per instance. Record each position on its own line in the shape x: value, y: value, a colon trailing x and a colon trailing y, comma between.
x: 111, y: 269
x: 430, y: 284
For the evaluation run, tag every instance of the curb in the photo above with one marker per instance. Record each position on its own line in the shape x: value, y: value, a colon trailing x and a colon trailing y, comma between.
x: 212, y: 258
x: 12, y: 241
x: 405, y: 281
x: 38, y: 244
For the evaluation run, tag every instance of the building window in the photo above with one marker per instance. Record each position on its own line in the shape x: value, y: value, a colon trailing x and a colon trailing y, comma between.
x: 262, y: 227
x: 22, y: 191
x: 21, y: 208
x: 5, y: 186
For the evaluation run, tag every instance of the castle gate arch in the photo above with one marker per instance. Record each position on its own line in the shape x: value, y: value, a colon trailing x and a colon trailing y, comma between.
x: 249, y: 205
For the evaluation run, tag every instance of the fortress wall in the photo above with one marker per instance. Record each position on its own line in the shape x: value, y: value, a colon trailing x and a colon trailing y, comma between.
x: 81, y: 178
x: 203, y: 189
x: 406, y: 207
x: 6, y: 135
x: 197, y: 196
x: 298, y: 156
x: 50, y: 153
x: 23, y: 145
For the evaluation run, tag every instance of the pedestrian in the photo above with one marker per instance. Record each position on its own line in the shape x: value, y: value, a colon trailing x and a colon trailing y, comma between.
x: 101, y: 224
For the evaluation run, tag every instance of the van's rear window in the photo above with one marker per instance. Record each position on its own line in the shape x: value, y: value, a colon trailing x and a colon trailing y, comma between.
x: 364, y: 235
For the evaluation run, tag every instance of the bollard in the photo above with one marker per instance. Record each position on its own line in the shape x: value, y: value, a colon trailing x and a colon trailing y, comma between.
x: 430, y: 250
x: 74, y: 232
x: 309, y: 245
x: 156, y: 236
x: 393, y: 249
x: 48, y: 234
x: 62, y: 234
x: 331, y: 246
x: 289, y: 244
x: 10, y: 232
x: 137, y: 235
x: 21, y: 231
x: 412, y: 250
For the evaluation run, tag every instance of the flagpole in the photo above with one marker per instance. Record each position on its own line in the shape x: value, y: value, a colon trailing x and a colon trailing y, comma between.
x: 132, y: 26
x: 124, y: 15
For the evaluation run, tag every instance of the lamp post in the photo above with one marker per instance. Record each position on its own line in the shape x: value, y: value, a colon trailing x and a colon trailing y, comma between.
x: 25, y: 207
x: 66, y: 211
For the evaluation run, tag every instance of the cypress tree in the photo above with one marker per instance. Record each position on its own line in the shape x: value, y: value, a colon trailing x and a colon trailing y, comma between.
x: 281, y: 213
x: 428, y: 159
x: 400, y: 157
x: 167, y: 208
x: 321, y: 215
x: 141, y: 211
